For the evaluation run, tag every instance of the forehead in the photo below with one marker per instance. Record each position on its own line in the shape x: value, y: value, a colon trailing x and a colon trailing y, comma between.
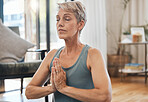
x: 62, y: 12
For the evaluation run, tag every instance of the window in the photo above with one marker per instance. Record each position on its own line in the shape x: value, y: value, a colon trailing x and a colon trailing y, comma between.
x: 42, y: 16
x: 13, y: 14
x: 22, y: 13
x: 6, y: 18
x: 14, y: 17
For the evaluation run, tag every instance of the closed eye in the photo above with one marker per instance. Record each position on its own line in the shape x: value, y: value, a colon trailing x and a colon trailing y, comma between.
x: 57, y: 18
x: 67, y: 18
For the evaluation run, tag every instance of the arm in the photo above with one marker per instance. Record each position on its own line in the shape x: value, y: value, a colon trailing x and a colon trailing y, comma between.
x: 102, y: 84
x: 34, y: 89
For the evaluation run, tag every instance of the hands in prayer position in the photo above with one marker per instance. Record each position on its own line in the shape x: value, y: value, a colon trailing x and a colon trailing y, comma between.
x: 58, y: 76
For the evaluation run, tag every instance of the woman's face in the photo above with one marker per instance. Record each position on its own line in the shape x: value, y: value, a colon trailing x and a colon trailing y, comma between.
x: 67, y: 25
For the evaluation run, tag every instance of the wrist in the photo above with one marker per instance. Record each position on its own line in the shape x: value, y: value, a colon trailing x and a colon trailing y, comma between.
x: 50, y: 88
x: 63, y: 90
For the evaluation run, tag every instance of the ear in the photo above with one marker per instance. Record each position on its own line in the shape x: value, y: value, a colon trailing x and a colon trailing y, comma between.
x: 81, y: 25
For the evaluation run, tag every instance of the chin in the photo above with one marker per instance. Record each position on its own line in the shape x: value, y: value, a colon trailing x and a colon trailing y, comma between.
x: 62, y: 37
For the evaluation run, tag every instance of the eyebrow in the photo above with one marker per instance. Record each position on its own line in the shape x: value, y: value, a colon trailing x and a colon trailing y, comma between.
x: 64, y: 14
x: 67, y: 14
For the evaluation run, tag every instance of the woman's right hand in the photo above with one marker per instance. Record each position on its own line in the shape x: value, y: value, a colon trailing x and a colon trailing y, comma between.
x: 52, y: 81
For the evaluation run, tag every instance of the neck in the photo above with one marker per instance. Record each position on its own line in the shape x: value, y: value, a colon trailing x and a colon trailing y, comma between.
x: 72, y: 45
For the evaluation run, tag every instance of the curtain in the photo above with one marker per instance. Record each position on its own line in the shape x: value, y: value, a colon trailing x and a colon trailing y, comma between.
x: 114, y: 14
x: 136, y: 15
x: 94, y: 32
x: 30, y: 26
x: 28, y: 20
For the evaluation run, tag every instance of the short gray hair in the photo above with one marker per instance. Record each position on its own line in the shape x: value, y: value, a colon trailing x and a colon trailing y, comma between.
x: 75, y: 7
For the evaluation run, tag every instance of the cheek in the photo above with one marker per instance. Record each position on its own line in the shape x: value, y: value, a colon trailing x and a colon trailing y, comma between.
x: 72, y: 28
x: 56, y: 25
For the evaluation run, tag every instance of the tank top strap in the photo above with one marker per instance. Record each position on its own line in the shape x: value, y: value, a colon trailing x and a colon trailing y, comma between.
x: 85, y: 52
x: 83, y: 58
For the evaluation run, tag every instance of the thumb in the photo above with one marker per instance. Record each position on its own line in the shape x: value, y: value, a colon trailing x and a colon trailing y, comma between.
x: 53, y: 73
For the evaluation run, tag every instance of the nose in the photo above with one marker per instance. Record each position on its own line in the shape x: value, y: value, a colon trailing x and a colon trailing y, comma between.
x: 60, y: 23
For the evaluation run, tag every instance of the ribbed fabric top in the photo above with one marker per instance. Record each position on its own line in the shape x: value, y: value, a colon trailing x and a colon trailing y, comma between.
x: 77, y: 75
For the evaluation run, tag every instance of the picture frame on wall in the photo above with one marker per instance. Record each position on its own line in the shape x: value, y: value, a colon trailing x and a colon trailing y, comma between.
x: 138, y: 34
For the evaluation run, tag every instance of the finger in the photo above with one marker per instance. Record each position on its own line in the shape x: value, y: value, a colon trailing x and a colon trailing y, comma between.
x: 57, y: 67
x: 56, y: 58
x: 56, y: 72
x: 52, y: 78
x: 52, y: 75
x: 53, y: 68
x: 53, y: 71
x: 59, y: 64
x: 64, y: 72
x: 53, y: 63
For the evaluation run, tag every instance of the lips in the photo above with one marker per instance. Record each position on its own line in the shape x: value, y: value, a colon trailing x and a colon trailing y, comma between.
x: 61, y: 30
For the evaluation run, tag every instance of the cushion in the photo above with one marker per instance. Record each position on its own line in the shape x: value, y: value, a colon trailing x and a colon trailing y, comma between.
x: 16, y: 70
x: 12, y: 47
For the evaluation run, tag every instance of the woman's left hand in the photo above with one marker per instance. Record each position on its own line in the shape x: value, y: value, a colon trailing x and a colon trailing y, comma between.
x: 59, y: 75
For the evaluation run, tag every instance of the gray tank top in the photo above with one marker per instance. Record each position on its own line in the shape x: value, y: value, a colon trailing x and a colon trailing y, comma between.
x: 77, y: 75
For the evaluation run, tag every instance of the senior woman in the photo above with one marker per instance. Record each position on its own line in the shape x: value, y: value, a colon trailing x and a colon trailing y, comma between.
x: 77, y: 71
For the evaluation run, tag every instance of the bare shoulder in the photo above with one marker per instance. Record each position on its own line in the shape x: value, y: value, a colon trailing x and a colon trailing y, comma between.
x: 94, y: 58
x: 51, y: 53
x: 94, y: 53
x: 49, y: 57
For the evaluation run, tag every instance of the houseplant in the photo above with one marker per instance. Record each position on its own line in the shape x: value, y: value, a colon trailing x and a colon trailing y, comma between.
x: 116, y: 60
x: 146, y: 31
x: 125, y: 3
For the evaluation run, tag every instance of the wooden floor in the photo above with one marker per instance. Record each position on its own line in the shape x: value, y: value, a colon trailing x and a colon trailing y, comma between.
x: 132, y: 89
x: 13, y: 94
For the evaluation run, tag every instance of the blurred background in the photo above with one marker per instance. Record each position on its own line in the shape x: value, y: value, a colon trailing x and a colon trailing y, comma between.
x: 108, y: 29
